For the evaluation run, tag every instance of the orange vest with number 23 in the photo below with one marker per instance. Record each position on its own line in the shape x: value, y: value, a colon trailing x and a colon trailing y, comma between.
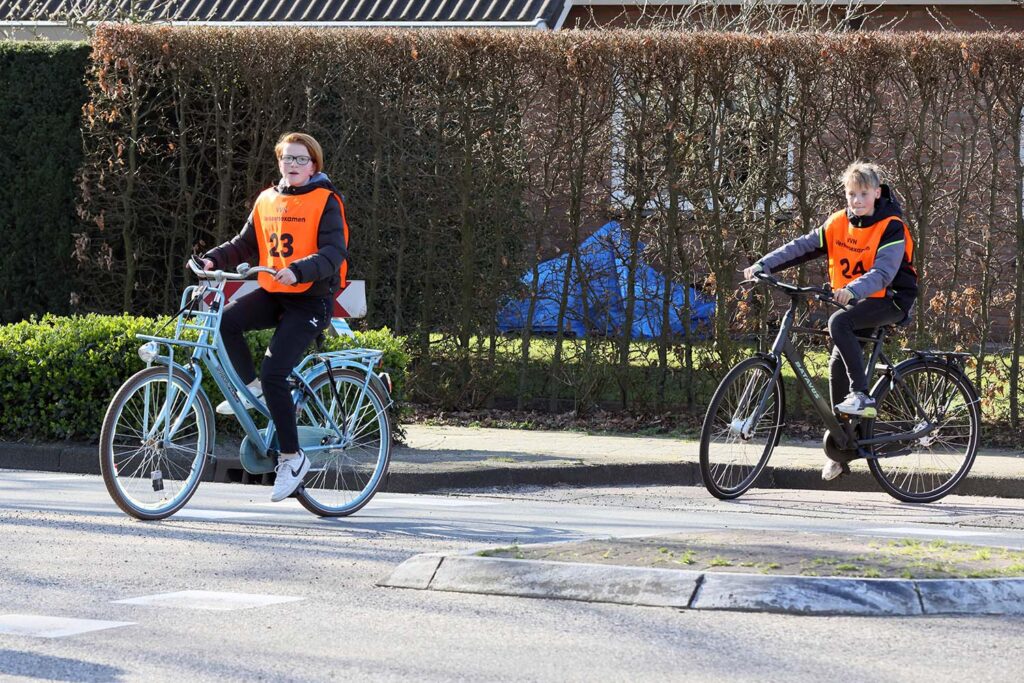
x: 286, y: 231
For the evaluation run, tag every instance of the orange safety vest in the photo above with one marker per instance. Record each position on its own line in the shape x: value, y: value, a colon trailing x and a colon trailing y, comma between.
x: 286, y: 231
x: 851, y: 251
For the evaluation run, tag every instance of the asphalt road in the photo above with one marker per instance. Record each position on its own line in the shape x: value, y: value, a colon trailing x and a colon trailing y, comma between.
x: 66, y: 552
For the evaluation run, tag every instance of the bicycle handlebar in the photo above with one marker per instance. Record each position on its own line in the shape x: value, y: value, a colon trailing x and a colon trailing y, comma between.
x: 823, y: 294
x: 244, y: 271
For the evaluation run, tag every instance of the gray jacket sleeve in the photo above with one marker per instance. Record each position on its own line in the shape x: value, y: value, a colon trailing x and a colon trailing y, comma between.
x: 887, y: 263
x: 800, y: 250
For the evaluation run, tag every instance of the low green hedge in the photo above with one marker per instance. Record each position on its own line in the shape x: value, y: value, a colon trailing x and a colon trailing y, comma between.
x: 57, y: 374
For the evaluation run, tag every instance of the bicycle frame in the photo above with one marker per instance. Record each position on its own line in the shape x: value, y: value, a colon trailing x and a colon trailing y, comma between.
x: 843, y: 432
x: 208, y: 351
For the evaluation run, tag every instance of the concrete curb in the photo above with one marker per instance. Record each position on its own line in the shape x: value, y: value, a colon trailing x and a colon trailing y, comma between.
x: 415, y: 478
x: 683, y: 589
x: 71, y: 457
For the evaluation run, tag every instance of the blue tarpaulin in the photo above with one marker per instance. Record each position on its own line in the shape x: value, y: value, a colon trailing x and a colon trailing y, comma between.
x: 597, y: 294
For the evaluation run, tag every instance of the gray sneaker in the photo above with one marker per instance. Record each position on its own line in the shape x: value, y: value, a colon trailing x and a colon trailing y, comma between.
x: 858, y: 403
x: 290, y: 474
x: 831, y: 470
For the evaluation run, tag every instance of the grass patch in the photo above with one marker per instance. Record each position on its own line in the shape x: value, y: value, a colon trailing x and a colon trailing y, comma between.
x: 510, y: 551
x: 825, y: 556
x: 689, y: 557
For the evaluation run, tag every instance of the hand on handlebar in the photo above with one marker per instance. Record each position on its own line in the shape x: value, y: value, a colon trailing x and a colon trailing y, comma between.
x: 286, y: 276
x: 198, y: 263
x: 843, y: 296
x: 748, y: 274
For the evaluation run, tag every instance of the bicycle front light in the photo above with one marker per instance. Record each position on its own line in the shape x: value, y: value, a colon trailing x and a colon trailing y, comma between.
x: 149, y: 351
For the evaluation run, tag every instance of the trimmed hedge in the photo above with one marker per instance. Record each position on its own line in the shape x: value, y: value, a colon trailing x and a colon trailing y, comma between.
x: 42, y: 91
x: 58, y: 374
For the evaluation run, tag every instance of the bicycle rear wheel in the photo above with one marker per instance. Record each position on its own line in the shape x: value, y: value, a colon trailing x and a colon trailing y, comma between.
x: 926, y: 469
x: 149, y: 474
x: 733, y: 449
x: 342, y: 480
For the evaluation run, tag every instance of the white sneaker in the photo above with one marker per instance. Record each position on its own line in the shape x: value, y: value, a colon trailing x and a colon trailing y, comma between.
x: 831, y: 470
x: 858, y: 403
x: 224, y: 408
x: 290, y: 474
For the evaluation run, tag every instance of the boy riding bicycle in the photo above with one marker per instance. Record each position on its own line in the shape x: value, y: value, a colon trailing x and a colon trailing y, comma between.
x: 298, y: 228
x: 870, y: 252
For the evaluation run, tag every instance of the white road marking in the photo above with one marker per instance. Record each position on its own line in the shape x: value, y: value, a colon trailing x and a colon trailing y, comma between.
x: 940, y: 531
x: 208, y: 600
x: 52, y: 627
x: 430, y: 501
x: 199, y: 513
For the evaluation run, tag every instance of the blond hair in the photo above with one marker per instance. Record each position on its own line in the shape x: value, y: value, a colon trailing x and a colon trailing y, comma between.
x: 862, y: 174
x: 316, y: 152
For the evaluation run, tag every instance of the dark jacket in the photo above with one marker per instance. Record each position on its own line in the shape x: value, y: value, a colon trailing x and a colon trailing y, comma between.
x: 320, y: 268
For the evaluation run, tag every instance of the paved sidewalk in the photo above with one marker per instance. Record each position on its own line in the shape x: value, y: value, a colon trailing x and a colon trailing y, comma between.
x: 464, y: 457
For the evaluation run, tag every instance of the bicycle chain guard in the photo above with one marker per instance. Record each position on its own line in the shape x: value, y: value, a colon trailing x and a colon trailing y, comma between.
x: 252, y: 460
x: 255, y: 463
x: 834, y: 452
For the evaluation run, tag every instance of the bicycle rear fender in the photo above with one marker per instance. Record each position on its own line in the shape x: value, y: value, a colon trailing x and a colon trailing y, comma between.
x: 948, y: 361
x: 350, y: 364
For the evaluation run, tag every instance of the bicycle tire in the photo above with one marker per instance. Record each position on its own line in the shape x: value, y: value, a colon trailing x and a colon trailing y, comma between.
x: 917, y: 476
x: 723, y: 476
x: 121, y: 460
x: 340, y: 466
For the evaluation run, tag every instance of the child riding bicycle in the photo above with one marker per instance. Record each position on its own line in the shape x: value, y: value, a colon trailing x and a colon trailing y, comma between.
x: 870, y: 252
x: 298, y: 228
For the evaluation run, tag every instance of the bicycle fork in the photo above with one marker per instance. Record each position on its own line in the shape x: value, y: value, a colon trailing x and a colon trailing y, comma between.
x: 744, y: 426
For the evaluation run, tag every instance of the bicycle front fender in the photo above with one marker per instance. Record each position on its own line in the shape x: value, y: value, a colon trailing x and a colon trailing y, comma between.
x: 201, y: 396
x: 773, y: 361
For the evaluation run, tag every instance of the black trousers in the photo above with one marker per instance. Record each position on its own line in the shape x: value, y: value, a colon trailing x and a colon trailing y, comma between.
x: 298, y: 319
x: 846, y: 367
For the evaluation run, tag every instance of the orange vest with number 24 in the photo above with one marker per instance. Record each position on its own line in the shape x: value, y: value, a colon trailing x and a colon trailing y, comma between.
x: 851, y: 251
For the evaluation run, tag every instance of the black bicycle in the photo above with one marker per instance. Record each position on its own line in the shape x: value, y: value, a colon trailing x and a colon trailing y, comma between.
x: 919, y: 447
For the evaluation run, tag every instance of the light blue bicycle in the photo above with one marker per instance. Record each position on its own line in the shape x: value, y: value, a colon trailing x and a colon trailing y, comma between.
x: 158, y: 434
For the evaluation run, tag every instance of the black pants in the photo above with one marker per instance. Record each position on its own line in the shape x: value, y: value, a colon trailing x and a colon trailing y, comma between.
x: 299, y: 319
x: 846, y: 367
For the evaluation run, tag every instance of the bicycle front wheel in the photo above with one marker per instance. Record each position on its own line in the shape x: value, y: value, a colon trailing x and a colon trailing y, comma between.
x: 735, y: 442
x: 149, y: 472
x: 930, y: 467
x: 346, y: 470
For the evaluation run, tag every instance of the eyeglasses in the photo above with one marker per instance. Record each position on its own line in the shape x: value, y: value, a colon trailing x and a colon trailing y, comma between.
x: 298, y: 161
